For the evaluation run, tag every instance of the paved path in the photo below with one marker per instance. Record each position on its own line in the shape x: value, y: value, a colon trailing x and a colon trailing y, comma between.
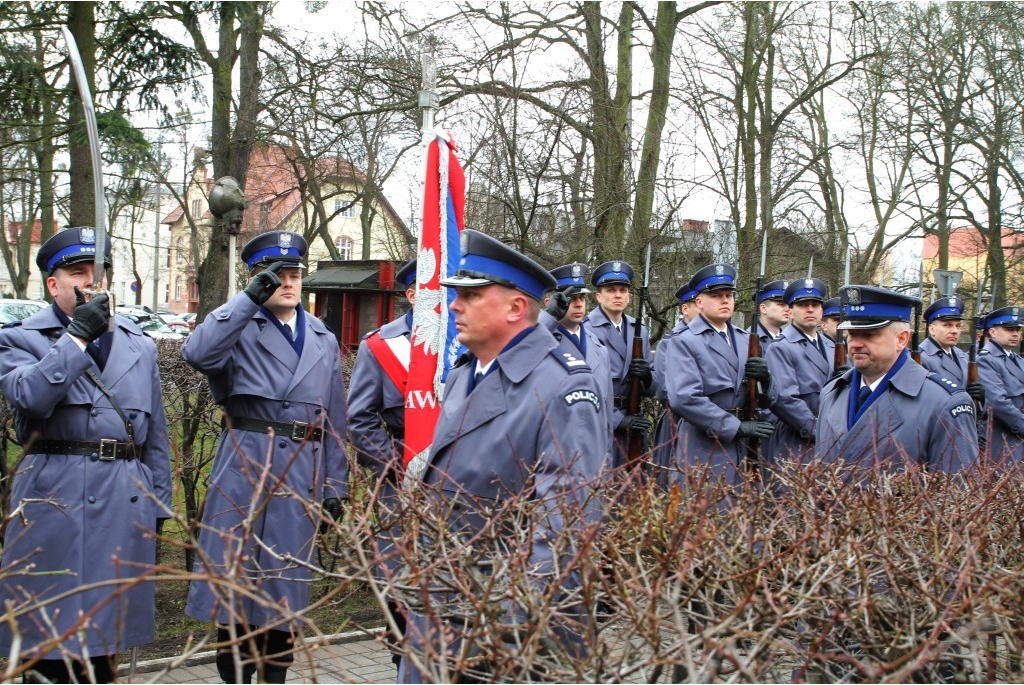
x: 345, y: 658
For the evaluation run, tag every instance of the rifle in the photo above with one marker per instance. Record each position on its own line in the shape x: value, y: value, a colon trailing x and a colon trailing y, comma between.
x: 636, y: 438
x: 749, y: 413
x: 915, y: 352
x: 840, y: 359
x: 972, y: 359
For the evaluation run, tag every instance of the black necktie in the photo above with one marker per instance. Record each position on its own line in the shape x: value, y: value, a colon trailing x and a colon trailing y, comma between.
x: 724, y: 336
x: 862, y: 395
x: 821, y: 347
x: 575, y: 339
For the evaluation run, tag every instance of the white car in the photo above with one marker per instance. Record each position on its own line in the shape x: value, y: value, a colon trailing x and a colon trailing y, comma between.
x: 16, y: 310
x: 151, y: 324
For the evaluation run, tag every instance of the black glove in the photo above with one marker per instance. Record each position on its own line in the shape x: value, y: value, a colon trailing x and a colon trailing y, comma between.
x: 641, y: 370
x: 558, y: 305
x: 262, y: 285
x: 839, y: 372
x: 977, y: 391
x: 982, y: 442
x: 755, y: 429
x: 91, y: 318
x: 332, y: 511
x: 635, y: 422
x: 757, y: 368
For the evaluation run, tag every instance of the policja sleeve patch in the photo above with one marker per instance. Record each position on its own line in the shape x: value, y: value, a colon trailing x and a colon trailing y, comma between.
x: 575, y: 396
x: 962, y: 409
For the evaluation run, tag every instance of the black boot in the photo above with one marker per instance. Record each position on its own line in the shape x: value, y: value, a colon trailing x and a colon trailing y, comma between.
x: 226, y: 657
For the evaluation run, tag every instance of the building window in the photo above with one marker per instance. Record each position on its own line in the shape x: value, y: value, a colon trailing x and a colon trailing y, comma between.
x: 345, y: 247
x: 197, y: 208
x: 178, y: 288
x: 347, y: 212
x: 179, y: 248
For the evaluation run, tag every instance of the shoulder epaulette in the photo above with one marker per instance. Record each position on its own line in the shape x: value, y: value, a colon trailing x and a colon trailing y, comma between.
x: 983, y: 352
x: 571, y: 362
x: 948, y: 385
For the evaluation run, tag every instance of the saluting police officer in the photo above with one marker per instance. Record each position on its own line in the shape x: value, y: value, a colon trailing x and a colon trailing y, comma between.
x: 801, y: 362
x: 516, y: 418
x: 888, y: 413
x: 276, y: 371
x: 376, y: 421
x: 1001, y: 371
x: 939, y: 353
x: 95, y: 479
x: 616, y: 330
x: 774, y: 312
x: 564, y: 314
x: 705, y: 366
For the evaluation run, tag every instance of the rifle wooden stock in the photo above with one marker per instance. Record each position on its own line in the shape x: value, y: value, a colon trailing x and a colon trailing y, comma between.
x: 840, y: 358
x: 749, y: 413
x: 972, y: 361
x: 636, y: 438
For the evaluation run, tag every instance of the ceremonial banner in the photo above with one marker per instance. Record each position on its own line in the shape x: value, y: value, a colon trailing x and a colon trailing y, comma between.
x: 435, y: 347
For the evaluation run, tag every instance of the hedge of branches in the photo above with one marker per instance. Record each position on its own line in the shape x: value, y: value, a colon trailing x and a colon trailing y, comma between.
x: 818, y: 577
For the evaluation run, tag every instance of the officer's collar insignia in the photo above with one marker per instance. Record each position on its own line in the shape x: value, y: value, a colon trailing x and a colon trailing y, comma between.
x: 87, y: 236
x: 719, y: 269
x: 577, y: 270
x: 853, y: 296
x: 616, y: 266
x: 808, y: 283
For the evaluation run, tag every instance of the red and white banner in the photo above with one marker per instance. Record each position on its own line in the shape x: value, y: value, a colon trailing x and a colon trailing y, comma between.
x: 435, y: 347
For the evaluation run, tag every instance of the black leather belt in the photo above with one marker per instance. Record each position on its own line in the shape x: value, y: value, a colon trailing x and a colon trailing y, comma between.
x: 299, y: 431
x: 735, y: 411
x: 105, y: 450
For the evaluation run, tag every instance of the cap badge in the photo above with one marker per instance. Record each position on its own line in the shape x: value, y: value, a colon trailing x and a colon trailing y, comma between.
x: 1016, y: 311
x: 853, y: 296
x: 616, y: 266
x: 284, y: 241
x: 785, y: 284
x: 577, y: 270
x: 808, y: 283
x: 719, y: 269
x: 464, y: 242
x: 87, y: 235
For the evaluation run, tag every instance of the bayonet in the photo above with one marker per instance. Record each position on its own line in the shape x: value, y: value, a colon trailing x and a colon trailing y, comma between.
x: 635, y: 447
x: 810, y: 267
x: 846, y: 269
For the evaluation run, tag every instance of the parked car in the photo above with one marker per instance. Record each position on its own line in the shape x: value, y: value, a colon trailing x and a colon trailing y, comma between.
x: 16, y: 310
x: 176, y: 324
x: 151, y: 324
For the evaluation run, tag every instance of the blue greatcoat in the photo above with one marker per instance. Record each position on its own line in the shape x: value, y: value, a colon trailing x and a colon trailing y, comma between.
x: 935, y: 360
x: 919, y: 418
x: 704, y: 376
x: 376, y: 422
x: 801, y: 371
x: 620, y: 352
x: 255, y: 373
x: 597, y: 359
x: 531, y: 414
x: 666, y: 430
x: 97, y: 522
x: 1004, y: 395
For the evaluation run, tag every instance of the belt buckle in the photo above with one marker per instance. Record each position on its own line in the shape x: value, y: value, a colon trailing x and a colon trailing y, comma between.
x: 108, y: 449
x: 299, y: 430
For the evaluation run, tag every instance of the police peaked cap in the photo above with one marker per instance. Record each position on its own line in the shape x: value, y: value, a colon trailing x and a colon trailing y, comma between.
x: 773, y: 290
x: 713, y: 277
x: 71, y: 246
x: 684, y: 294
x: 803, y: 289
x: 946, y: 308
x: 571, y: 276
x: 486, y: 260
x: 866, y: 307
x: 406, y: 275
x: 613, y: 272
x: 275, y: 246
x: 831, y: 308
x: 1008, y: 317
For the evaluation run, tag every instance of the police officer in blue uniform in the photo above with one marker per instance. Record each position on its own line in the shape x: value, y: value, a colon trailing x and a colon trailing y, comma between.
x: 564, y: 316
x: 830, y: 315
x: 665, y: 431
x: 705, y: 368
x: 888, y: 413
x: 774, y: 312
x: 95, y: 479
x: 276, y: 371
x: 517, y: 421
x: 1001, y: 371
x: 616, y: 330
x: 939, y: 353
x: 376, y: 421
x: 801, y: 362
